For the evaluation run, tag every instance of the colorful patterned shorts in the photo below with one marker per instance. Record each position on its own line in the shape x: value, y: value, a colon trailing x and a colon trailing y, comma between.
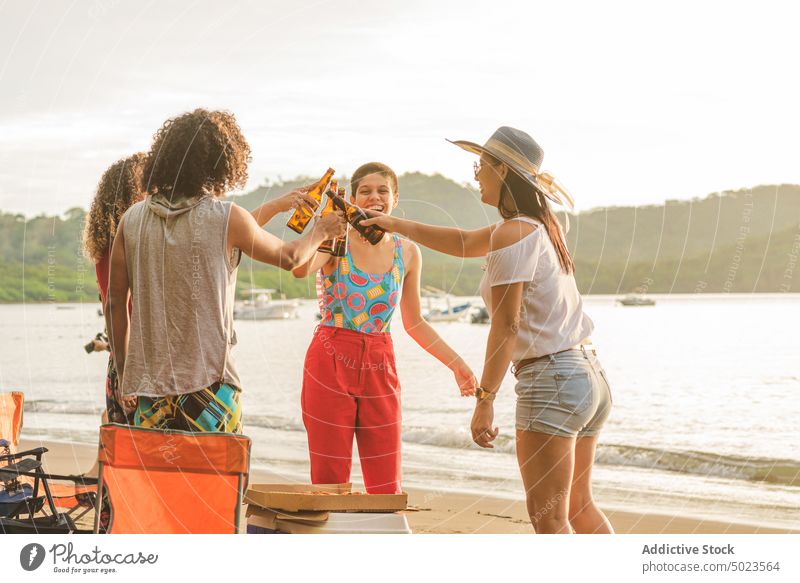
x: 215, y: 408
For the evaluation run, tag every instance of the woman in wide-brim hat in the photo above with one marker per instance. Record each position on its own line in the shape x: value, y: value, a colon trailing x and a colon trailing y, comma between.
x: 538, y: 324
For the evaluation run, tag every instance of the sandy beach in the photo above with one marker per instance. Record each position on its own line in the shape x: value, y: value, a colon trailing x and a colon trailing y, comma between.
x: 444, y: 512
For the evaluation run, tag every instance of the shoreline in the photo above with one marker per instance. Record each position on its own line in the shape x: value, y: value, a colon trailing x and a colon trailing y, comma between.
x: 448, y: 512
x: 608, y: 296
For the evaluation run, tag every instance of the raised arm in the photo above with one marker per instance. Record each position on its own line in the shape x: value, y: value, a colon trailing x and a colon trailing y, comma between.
x: 422, y: 332
x: 449, y: 240
x: 291, y: 200
x: 244, y: 233
x: 317, y: 262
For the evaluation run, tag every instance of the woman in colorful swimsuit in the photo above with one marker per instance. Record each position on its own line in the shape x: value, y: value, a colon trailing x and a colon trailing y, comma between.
x: 350, y: 384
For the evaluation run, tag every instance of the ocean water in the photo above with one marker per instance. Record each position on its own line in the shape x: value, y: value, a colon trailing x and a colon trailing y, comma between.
x: 706, y: 400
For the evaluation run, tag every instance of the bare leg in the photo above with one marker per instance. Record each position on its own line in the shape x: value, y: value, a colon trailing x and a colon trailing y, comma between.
x: 584, y: 515
x: 546, y: 464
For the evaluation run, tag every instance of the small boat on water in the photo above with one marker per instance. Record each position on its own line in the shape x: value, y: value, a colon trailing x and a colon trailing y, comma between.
x: 446, y: 313
x: 449, y: 314
x: 636, y: 300
x: 479, y: 315
x: 261, y: 306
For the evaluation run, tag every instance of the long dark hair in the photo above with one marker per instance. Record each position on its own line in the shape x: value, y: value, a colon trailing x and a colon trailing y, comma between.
x: 520, y: 197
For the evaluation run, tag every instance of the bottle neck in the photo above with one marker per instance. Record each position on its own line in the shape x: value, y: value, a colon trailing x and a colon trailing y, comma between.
x: 340, y: 201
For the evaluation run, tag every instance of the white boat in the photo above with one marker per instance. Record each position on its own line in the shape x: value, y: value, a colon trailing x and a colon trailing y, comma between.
x: 448, y: 313
x: 636, y: 300
x: 261, y: 306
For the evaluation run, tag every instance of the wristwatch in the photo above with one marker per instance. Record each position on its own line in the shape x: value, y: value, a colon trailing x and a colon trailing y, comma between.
x: 484, y: 395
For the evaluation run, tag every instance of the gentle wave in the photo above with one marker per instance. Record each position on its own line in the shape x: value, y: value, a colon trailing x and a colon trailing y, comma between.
x: 64, y: 407
x: 755, y: 469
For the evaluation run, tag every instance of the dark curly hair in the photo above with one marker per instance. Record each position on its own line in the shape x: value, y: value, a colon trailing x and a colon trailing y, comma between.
x: 197, y: 151
x: 119, y: 187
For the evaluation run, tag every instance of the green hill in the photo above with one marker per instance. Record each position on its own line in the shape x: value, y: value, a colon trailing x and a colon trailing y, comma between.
x: 737, y: 241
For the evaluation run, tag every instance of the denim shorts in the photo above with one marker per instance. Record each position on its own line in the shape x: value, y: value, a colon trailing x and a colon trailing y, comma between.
x: 565, y: 394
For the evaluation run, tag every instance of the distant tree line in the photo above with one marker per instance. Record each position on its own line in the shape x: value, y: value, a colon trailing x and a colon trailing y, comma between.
x: 735, y: 241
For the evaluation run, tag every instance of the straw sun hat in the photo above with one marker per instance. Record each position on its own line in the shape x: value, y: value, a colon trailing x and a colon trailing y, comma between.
x: 524, y: 156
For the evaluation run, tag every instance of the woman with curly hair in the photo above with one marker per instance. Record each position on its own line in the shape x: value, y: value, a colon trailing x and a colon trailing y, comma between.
x: 176, y: 253
x: 119, y: 188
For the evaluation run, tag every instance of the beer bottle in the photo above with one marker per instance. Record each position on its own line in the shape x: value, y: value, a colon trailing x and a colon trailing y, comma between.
x: 337, y: 246
x: 301, y: 216
x: 354, y: 215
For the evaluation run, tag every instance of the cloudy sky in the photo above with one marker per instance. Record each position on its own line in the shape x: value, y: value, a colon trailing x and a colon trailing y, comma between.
x: 633, y: 103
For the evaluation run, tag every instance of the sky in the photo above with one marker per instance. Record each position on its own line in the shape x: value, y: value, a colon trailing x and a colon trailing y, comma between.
x: 633, y: 102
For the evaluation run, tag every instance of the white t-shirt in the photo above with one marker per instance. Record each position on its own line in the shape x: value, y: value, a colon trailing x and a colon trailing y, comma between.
x: 551, y: 314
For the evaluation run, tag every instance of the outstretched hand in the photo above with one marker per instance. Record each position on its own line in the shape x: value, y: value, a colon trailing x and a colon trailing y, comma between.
x: 382, y: 220
x: 297, y: 198
x: 332, y: 225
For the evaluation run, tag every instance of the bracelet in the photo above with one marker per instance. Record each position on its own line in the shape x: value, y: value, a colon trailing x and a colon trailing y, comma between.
x: 483, y: 395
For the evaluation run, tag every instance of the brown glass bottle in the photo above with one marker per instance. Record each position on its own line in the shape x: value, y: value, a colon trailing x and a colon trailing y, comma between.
x: 354, y: 215
x: 337, y: 246
x: 300, y: 218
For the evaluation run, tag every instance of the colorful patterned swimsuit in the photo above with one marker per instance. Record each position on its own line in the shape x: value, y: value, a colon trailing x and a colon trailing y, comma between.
x: 360, y: 301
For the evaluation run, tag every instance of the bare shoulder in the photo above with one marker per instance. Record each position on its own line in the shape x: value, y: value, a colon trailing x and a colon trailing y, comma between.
x: 240, y: 221
x: 509, y: 232
x: 238, y: 213
x: 410, y: 249
x: 411, y: 252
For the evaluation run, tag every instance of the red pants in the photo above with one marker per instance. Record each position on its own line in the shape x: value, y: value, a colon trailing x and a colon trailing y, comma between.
x: 350, y: 388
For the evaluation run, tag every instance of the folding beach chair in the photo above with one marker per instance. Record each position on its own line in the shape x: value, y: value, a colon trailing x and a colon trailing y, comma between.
x: 11, y: 416
x: 21, y: 474
x: 170, y: 482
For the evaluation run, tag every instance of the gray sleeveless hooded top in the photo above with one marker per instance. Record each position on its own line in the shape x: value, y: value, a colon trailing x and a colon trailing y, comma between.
x: 183, y: 289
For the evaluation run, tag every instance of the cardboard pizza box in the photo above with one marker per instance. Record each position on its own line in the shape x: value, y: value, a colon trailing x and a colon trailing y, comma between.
x: 322, y: 497
x: 267, y: 517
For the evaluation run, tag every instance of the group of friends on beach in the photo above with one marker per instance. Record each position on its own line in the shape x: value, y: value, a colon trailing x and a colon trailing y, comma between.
x: 167, y: 245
